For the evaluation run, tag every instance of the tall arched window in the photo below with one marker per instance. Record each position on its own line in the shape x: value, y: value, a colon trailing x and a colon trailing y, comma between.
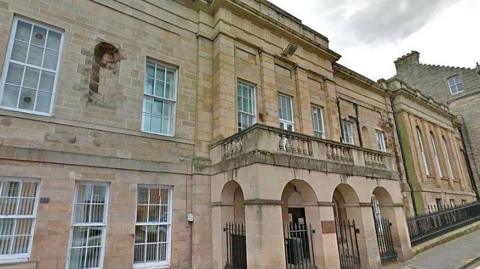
x: 435, y: 155
x: 447, y: 157
x: 422, y: 151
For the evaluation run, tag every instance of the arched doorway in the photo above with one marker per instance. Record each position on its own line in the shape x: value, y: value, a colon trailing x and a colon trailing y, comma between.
x: 383, y: 214
x: 301, y: 215
x: 233, y: 219
x: 344, y: 197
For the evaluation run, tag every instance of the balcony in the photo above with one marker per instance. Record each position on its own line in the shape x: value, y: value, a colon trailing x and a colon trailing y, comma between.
x: 269, y: 145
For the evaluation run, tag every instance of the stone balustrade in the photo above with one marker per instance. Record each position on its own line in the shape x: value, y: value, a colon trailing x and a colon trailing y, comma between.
x: 374, y: 159
x: 270, y: 140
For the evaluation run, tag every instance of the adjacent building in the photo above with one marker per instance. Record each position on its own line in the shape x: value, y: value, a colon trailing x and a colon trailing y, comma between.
x: 432, y: 150
x: 456, y: 87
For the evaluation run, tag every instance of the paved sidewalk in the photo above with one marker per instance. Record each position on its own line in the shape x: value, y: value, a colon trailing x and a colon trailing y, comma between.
x: 451, y: 255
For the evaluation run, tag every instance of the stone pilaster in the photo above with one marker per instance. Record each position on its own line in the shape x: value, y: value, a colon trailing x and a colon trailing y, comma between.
x: 268, y: 93
x: 332, y: 122
x: 224, y: 87
x: 304, y: 106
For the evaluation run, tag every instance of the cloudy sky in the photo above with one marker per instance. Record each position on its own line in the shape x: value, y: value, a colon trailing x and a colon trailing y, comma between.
x: 371, y: 34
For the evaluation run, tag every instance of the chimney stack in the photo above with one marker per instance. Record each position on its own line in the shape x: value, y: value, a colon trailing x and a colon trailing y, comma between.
x: 412, y: 58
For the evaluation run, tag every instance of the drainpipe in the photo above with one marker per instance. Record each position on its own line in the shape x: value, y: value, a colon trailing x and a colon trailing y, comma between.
x: 357, y: 122
x: 403, y: 161
x: 340, y: 119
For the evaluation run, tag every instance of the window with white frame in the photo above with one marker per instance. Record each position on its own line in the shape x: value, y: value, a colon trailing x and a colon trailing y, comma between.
x: 455, y: 84
x: 31, y: 67
x: 246, y: 105
x: 435, y: 155
x: 87, y: 238
x: 447, y: 157
x: 18, y: 211
x: 285, y: 112
x: 160, y: 94
x: 381, y: 140
x: 347, y: 128
x: 422, y: 151
x: 317, y: 120
x: 152, y: 227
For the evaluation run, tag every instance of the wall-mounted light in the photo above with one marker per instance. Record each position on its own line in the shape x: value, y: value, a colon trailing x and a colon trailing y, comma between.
x: 289, y: 50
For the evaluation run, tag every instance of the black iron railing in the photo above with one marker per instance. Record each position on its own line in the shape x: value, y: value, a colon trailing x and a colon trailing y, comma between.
x: 236, y: 246
x: 348, y: 244
x: 299, y: 246
x: 385, y: 240
x: 440, y: 220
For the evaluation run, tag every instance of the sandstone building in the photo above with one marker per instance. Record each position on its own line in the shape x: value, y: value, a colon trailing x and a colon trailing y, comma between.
x: 134, y: 133
x: 458, y: 88
x: 432, y: 150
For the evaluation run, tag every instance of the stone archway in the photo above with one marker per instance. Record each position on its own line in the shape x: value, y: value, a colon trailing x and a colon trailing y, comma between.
x: 230, y: 243
x: 390, y: 218
x: 345, y: 201
x: 301, y: 217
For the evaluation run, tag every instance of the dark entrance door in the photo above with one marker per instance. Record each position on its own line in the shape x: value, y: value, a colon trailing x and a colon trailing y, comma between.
x: 298, y: 234
x: 296, y: 215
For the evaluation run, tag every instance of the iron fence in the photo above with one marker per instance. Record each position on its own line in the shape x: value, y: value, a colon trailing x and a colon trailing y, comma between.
x: 385, y: 240
x: 236, y: 246
x: 298, y: 246
x: 348, y: 244
x: 440, y: 220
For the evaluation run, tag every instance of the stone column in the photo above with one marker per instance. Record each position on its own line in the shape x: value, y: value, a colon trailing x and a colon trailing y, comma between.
x: 224, y: 88
x: 264, y: 232
x: 367, y: 238
x: 304, y: 106
x: 400, y: 235
x: 221, y: 213
x: 327, y: 247
x: 268, y: 97
x: 332, y: 123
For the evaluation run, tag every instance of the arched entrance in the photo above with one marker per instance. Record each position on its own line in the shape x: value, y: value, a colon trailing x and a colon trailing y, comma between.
x: 383, y: 214
x: 233, y: 219
x: 344, y: 197
x: 301, y: 216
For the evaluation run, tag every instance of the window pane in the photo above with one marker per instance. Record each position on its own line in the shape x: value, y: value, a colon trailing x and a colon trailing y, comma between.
x: 6, y: 226
x: 43, y: 102
x: 150, y: 70
x: 149, y: 86
x: 95, y: 236
x: 146, y: 121
x: 77, y: 258
x: 20, y: 244
x: 10, y: 96
x: 19, y: 51
x: 155, y: 124
x: 50, y: 59
x: 53, y: 41
x: 23, y: 31
x: 39, y: 36
x: 14, y: 74
x: 140, y: 231
x: 35, y: 55
x: 31, y: 78
x: 142, y: 195
x: 5, y: 242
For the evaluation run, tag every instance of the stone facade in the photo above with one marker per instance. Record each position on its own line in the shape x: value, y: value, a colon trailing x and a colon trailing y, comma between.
x: 432, y: 149
x: 256, y: 177
x: 432, y: 80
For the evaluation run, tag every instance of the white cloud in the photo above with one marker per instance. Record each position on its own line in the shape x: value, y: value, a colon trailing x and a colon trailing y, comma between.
x: 371, y: 34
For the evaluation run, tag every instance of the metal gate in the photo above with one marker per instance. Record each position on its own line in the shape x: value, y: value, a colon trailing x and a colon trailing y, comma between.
x: 298, y: 246
x: 347, y: 244
x: 236, y: 246
x: 385, y: 240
